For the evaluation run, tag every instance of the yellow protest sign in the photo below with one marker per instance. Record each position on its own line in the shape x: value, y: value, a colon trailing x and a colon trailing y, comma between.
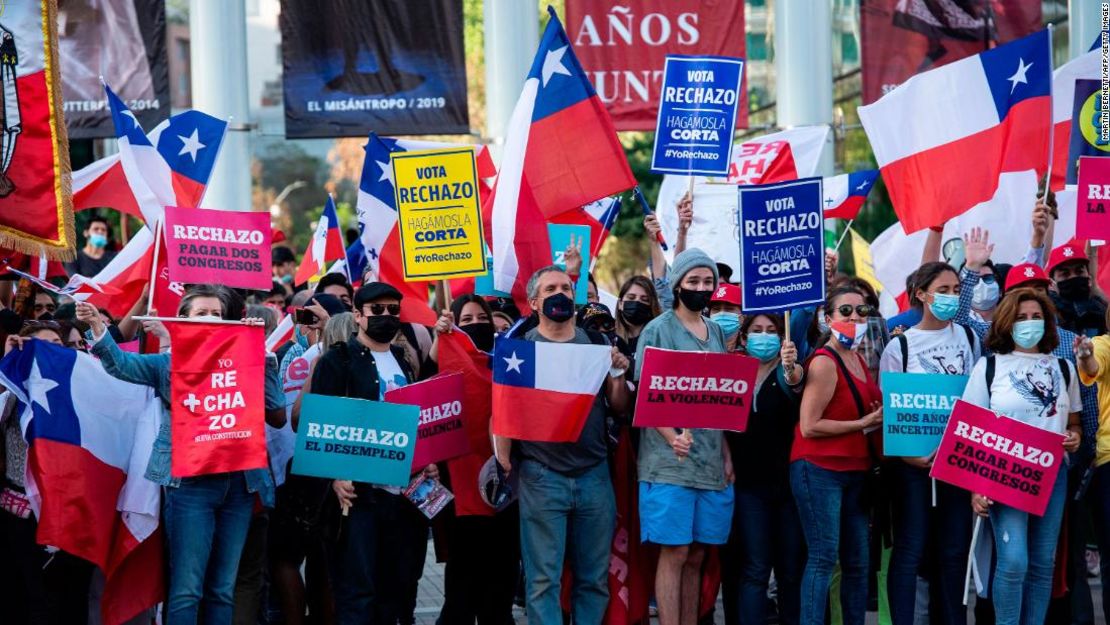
x: 439, y: 214
x: 865, y: 266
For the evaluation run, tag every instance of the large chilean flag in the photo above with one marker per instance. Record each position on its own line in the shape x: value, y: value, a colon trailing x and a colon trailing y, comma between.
x: 942, y: 138
x: 561, y: 153
x: 545, y: 403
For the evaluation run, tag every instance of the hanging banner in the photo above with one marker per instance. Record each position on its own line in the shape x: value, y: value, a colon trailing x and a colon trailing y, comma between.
x: 697, y: 115
x: 395, y: 68
x: 1093, y: 201
x: 441, y: 433
x: 123, y: 41
x: 695, y: 390
x: 1090, y: 127
x: 36, y: 205
x: 622, y: 47
x: 439, y: 213
x: 901, y: 38
x: 915, y: 410
x: 216, y: 246
x: 1001, y: 458
x: 354, y: 439
x: 217, y: 396
x: 782, y: 252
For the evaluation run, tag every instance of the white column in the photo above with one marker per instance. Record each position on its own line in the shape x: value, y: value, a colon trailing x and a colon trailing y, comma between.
x: 1084, y: 24
x: 803, y: 67
x: 512, y: 35
x: 218, y: 55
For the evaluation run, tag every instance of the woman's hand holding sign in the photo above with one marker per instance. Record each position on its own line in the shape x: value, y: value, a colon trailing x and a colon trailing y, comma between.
x: 1071, y: 439
x: 872, y: 419
x: 981, y: 505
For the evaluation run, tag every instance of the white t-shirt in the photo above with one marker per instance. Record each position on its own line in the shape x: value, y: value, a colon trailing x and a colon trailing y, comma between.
x: 390, y: 375
x: 1027, y: 387
x: 944, y: 351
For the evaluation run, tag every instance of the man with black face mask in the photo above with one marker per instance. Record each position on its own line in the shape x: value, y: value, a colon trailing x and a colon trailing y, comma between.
x: 565, y: 490
x: 1079, y: 310
x: 375, y: 559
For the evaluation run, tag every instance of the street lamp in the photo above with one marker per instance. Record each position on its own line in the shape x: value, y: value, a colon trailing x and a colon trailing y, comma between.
x: 275, y: 208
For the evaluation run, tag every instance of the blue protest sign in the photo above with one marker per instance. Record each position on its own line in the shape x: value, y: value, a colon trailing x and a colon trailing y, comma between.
x: 559, y: 236
x: 916, y: 407
x: 355, y: 439
x: 782, y: 253
x: 697, y: 115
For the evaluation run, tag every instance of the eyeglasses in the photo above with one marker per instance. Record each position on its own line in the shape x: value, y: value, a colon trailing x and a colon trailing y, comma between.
x: 381, y: 309
x: 987, y: 278
x: 863, y: 310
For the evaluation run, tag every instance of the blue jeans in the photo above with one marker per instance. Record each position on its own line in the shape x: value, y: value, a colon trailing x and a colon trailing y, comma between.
x: 557, y: 511
x: 1024, y: 547
x: 207, y: 519
x: 944, y: 532
x: 766, y: 534
x: 835, y: 524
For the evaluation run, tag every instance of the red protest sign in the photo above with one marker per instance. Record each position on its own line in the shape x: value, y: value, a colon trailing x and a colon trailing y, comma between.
x: 226, y: 247
x: 1001, y: 458
x: 1093, y: 198
x: 440, y: 434
x: 217, y: 397
x: 695, y: 390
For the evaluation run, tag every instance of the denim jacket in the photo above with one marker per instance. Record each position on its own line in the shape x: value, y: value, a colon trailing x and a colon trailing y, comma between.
x: 154, y: 370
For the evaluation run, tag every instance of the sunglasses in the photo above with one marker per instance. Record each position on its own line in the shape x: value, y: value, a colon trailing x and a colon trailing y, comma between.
x: 381, y: 309
x: 988, y: 278
x: 863, y: 310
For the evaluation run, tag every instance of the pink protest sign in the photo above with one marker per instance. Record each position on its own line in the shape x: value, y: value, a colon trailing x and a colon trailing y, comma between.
x: 440, y: 434
x: 1092, y: 201
x: 695, y: 390
x: 1001, y: 458
x: 226, y: 247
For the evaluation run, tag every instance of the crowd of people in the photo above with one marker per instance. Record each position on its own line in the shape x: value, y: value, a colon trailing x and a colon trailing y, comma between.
x: 806, y: 518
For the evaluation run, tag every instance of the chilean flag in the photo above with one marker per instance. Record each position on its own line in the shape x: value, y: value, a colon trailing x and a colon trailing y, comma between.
x: 103, y: 184
x: 377, y: 220
x: 561, y: 153
x: 89, y: 438
x: 943, y: 137
x: 171, y: 167
x: 845, y: 194
x: 599, y: 216
x: 326, y: 245
x: 120, y: 284
x: 283, y: 332
x: 545, y: 403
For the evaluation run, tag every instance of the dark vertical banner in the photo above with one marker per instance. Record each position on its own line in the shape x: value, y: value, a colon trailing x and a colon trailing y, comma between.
x: 125, y: 42
x: 901, y: 38
x: 622, y: 46
x: 387, y: 66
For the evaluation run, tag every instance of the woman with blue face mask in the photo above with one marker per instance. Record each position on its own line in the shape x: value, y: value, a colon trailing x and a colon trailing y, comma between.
x: 1024, y: 381
x: 934, y: 346
x: 724, y: 310
x: 766, y: 531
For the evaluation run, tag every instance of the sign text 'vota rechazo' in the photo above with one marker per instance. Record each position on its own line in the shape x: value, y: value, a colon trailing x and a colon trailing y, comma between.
x: 697, y: 115
x: 782, y: 245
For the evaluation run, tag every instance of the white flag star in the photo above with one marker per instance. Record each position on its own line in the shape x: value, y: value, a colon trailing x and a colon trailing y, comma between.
x: 553, y: 64
x: 191, y: 145
x: 387, y: 172
x: 38, y: 387
x: 513, y: 363
x: 1019, y: 75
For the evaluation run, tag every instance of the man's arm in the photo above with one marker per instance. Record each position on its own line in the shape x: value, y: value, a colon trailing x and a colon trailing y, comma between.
x: 275, y: 396
x: 977, y: 251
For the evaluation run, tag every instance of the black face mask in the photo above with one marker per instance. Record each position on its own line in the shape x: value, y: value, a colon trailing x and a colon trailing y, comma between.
x: 558, y: 307
x: 694, y: 300
x: 481, y: 333
x: 635, y: 313
x: 382, y: 328
x: 1075, y: 289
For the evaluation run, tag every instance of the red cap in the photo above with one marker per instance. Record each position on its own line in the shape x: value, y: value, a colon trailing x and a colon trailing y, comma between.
x: 1024, y: 274
x: 1072, y: 250
x: 276, y: 236
x: 727, y: 293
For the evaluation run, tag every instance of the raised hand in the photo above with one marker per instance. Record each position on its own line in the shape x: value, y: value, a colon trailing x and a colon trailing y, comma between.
x: 573, y: 256
x: 977, y: 248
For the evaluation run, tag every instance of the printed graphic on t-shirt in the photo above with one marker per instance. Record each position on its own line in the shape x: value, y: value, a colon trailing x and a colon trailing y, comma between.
x: 1040, y: 386
x: 396, y: 382
x: 942, y: 352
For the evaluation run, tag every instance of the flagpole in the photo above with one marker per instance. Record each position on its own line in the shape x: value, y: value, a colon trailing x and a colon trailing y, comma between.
x: 1051, y: 129
x: 222, y: 322
x: 153, y: 267
x: 844, y: 235
x: 971, y: 553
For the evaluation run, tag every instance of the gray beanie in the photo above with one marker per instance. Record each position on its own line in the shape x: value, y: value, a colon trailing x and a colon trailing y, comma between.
x: 692, y: 258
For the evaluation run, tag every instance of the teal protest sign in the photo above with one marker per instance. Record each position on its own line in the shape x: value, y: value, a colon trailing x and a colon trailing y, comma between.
x: 559, y: 236
x: 355, y: 439
x: 916, y: 407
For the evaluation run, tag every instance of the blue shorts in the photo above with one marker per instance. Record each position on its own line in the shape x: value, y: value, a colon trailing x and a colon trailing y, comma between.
x: 681, y: 515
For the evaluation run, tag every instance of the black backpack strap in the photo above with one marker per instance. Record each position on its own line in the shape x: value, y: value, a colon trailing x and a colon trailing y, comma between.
x: 970, y: 334
x: 847, y: 378
x: 990, y: 374
x: 1065, y: 370
x: 904, y: 345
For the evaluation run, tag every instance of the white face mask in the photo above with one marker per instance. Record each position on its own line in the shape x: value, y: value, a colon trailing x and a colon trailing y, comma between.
x: 206, y: 318
x: 985, y: 295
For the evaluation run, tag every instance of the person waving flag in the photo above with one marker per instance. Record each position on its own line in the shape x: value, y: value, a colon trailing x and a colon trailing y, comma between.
x: 326, y: 245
